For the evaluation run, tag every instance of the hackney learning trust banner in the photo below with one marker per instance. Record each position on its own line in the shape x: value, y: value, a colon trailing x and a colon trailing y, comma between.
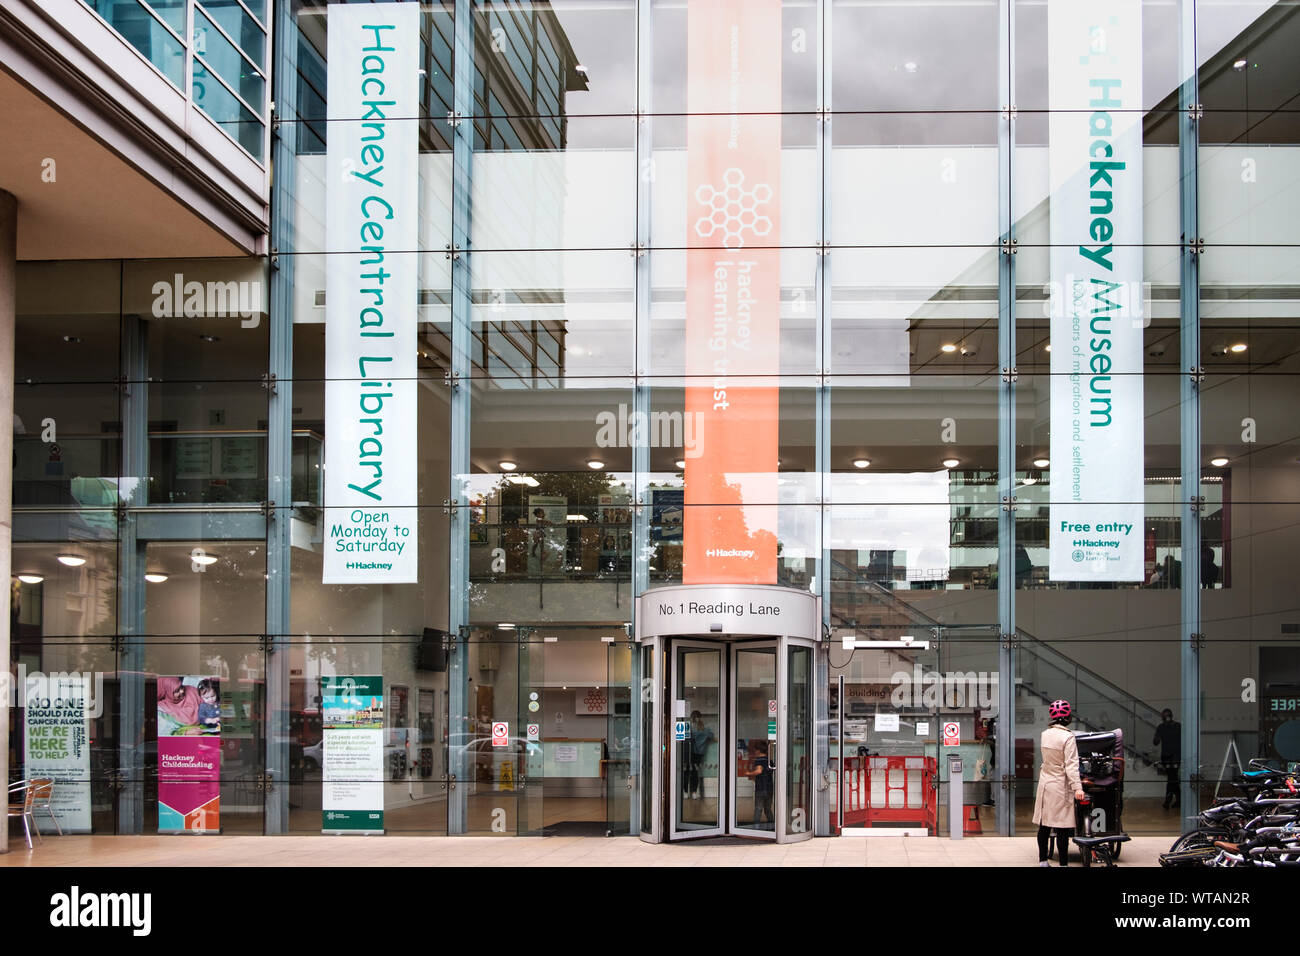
x: 733, y: 286
x: 1095, y: 94
x: 371, y: 232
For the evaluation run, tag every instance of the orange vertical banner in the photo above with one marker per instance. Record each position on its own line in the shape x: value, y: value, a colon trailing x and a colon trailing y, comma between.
x: 733, y: 289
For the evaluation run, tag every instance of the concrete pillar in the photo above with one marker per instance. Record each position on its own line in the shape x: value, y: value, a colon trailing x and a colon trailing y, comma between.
x: 8, y: 281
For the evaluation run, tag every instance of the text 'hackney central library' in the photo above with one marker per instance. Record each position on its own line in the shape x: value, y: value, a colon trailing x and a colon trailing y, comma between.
x: 654, y: 418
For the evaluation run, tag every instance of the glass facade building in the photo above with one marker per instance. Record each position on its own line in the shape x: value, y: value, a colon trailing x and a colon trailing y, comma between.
x: 902, y: 464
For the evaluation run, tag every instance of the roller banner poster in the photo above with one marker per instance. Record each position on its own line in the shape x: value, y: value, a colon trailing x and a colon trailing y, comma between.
x: 57, y: 744
x: 189, y: 755
x: 371, y: 230
x: 733, y: 285
x: 352, y: 768
x: 1095, y: 94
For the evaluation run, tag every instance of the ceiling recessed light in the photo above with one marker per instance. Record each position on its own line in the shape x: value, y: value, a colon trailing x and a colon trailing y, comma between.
x: 947, y: 347
x: 861, y: 462
x: 575, y: 517
x: 505, y: 626
x: 155, y: 577
x: 1218, y: 462
x: 951, y: 463
x: 680, y: 463
x: 1239, y: 64
x: 71, y: 560
x: 1029, y: 480
x: 528, y: 480
x: 31, y: 578
x: 1047, y: 348
x: 1238, y: 348
x: 507, y: 465
x: 595, y: 464
x: 202, y: 557
x: 1041, y: 462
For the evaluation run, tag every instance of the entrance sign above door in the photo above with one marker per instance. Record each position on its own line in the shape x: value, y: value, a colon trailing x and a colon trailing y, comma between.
x: 758, y: 610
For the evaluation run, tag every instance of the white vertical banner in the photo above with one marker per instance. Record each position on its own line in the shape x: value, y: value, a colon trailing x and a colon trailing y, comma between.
x: 57, y: 736
x: 371, y: 236
x: 1095, y: 95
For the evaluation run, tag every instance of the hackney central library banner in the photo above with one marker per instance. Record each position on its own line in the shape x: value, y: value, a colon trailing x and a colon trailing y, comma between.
x: 1095, y: 94
x: 733, y: 286
x: 371, y: 232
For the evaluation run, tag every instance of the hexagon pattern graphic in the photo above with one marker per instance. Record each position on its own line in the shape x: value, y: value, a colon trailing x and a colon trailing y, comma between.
x: 732, y: 210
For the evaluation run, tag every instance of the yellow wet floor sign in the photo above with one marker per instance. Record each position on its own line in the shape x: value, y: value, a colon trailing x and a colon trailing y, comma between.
x: 507, y: 777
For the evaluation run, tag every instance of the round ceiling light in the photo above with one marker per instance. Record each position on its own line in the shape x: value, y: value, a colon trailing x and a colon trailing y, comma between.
x: 71, y: 560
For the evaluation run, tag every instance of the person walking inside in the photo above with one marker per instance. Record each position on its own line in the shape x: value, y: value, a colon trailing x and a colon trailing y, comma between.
x: 1169, y: 737
x: 1058, y: 784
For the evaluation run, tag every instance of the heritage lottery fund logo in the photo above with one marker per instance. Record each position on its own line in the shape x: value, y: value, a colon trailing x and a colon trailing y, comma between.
x: 76, y: 909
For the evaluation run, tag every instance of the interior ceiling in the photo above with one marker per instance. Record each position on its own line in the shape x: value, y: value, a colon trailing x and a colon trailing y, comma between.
x: 98, y: 206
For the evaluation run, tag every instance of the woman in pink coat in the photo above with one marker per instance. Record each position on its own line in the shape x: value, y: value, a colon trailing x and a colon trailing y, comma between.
x: 1058, y: 784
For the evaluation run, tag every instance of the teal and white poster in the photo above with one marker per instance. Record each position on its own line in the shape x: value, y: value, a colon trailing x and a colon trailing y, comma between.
x: 1095, y: 94
x: 352, y: 766
x: 58, y: 746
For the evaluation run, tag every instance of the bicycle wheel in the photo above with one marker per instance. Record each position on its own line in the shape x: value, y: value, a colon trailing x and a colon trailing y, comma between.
x: 1196, y: 839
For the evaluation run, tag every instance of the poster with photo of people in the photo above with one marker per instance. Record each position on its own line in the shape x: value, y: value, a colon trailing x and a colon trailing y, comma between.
x: 189, y: 754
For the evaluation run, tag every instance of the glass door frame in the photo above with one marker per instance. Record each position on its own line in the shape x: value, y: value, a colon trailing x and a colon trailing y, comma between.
x: 783, y: 832
x: 735, y: 648
x: 724, y: 739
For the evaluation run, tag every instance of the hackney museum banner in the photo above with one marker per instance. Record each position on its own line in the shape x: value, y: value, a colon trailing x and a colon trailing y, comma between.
x: 733, y: 287
x: 371, y: 233
x: 1095, y: 96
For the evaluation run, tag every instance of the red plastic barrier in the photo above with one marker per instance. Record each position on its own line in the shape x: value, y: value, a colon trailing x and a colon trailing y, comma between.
x: 903, y: 790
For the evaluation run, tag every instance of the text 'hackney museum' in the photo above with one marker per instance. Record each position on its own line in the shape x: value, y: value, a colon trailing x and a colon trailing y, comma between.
x: 665, y: 418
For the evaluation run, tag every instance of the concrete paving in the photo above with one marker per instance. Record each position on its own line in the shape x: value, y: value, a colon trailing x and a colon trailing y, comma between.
x: 154, y: 850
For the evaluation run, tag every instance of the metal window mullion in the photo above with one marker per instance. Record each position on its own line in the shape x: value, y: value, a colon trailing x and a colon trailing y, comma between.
x: 820, y: 675
x: 133, y: 491
x: 279, y: 438
x: 1190, y: 406
x: 1004, y: 798
x: 462, y: 366
x: 641, y: 511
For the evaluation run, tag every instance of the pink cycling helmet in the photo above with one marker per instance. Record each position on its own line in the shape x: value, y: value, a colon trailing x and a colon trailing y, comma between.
x: 1059, y: 710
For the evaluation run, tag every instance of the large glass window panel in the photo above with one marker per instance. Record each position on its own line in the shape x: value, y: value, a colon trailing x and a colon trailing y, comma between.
x: 791, y: 350
x: 207, y: 442
x: 137, y: 25
x: 551, y: 498
x: 411, y: 780
x: 65, y: 588
x: 67, y: 322
x: 47, y: 667
x: 914, y: 57
x: 204, y: 585
x: 541, y: 319
x: 1117, y: 662
x: 914, y: 179
x: 902, y: 313
x: 555, y: 60
x: 736, y: 210
x: 530, y: 194
x: 239, y: 71
x: 782, y: 29
x: 246, y: 32
x: 343, y: 611
x: 242, y: 124
x: 1153, y: 42
x: 235, y: 676
x: 67, y: 446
